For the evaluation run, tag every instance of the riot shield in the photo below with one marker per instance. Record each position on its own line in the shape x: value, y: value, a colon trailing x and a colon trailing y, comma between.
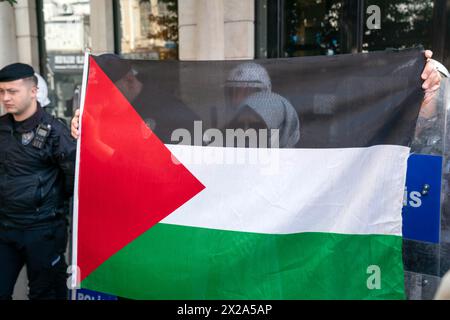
x: 426, y: 214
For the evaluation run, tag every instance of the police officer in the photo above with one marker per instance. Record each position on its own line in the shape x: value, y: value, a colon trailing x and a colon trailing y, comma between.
x: 37, y: 161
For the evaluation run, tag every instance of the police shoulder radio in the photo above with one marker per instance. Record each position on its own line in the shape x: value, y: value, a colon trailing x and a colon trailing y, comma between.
x: 42, y: 133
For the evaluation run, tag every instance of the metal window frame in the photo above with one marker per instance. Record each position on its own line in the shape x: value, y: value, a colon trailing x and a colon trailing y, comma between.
x: 275, y: 26
x: 354, y: 13
x: 41, y: 37
x: 118, y: 30
x: 116, y: 27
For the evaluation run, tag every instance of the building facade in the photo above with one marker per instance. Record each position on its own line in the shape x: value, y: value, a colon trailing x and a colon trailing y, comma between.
x: 52, y: 35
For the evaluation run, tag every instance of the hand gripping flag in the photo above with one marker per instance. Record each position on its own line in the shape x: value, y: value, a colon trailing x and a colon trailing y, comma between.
x: 273, y: 179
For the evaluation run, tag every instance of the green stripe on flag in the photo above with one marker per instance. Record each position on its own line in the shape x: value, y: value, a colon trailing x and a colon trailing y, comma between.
x: 179, y: 262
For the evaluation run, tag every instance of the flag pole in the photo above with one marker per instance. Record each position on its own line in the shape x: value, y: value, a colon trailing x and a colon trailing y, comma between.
x: 73, y: 269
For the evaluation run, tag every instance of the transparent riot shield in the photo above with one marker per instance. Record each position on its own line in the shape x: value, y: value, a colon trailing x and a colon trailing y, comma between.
x: 426, y: 214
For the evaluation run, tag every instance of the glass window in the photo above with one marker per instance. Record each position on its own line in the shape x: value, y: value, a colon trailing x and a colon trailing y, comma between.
x: 290, y: 28
x: 404, y: 24
x: 148, y: 29
x: 312, y: 27
x: 287, y: 28
x: 65, y: 25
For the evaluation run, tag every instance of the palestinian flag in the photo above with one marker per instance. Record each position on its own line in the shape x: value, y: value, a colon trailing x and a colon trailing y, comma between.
x: 272, y: 179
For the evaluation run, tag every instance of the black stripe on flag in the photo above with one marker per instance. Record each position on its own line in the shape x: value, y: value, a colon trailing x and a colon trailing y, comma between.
x: 354, y: 100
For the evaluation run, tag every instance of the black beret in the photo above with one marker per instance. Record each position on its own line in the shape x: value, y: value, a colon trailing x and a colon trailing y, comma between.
x: 16, y: 71
x: 115, y: 67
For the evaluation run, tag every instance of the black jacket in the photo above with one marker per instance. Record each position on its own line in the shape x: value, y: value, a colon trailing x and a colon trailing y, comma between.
x: 35, y: 184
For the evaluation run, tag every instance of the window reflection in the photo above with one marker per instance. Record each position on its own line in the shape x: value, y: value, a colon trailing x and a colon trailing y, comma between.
x: 404, y: 24
x: 67, y: 34
x: 293, y: 28
x: 312, y: 27
x: 148, y: 29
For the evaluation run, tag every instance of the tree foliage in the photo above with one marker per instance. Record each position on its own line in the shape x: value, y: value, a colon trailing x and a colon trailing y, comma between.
x: 404, y: 23
x: 11, y: 2
x: 167, y: 23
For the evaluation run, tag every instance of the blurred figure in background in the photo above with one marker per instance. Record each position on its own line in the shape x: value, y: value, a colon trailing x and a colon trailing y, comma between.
x: 251, y: 104
x: 42, y: 93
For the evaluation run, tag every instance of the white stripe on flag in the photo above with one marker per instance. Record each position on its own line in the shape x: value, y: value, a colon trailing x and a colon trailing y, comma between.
x: 283, y: 191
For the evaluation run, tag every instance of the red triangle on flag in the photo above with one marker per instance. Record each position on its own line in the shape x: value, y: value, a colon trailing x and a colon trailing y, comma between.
x: 128, y: 180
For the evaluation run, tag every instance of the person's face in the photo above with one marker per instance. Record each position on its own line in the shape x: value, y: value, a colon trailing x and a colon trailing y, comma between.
x: 234, y: 96
x: 130, y: 86
x: 17, y: 96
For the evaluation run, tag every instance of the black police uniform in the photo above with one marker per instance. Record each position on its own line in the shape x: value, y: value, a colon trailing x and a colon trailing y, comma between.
x: 36, y: 181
